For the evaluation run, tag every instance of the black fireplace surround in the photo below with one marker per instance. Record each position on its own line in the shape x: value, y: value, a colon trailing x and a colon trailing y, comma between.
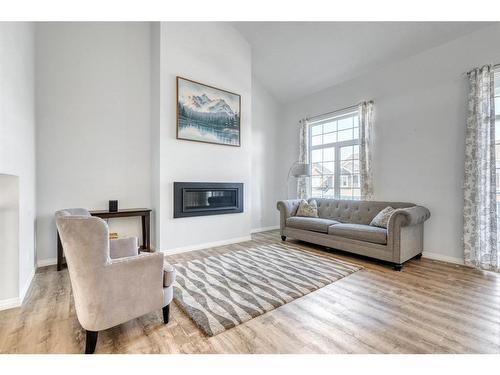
x: 207, y: 198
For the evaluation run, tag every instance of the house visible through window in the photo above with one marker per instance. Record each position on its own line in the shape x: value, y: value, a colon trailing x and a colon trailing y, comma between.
x: 334, y: 154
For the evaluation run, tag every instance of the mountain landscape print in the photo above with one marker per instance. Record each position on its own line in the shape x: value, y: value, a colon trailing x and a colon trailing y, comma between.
x: 207, y: 114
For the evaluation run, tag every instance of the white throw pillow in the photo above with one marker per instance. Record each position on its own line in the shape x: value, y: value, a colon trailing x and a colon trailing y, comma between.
x: 382, y: 218
x: 307, y: 209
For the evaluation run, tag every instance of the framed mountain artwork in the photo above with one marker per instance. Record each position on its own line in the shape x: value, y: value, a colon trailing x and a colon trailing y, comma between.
x: 207, y: 114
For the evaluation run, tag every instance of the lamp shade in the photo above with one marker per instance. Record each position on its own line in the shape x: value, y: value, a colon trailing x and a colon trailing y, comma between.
x: 301, y: 170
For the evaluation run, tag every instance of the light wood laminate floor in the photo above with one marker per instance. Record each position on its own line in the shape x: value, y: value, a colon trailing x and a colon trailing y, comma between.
x: 429, y: 307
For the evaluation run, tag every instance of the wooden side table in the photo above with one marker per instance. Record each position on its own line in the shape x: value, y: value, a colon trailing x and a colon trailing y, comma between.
x: 144, y: 213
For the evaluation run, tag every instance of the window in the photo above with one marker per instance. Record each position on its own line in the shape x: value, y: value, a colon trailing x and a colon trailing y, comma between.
x: 334, y: 154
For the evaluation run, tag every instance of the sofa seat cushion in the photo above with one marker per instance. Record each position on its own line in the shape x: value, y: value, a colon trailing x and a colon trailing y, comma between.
x: 360, y: 232
x: 314, y: 224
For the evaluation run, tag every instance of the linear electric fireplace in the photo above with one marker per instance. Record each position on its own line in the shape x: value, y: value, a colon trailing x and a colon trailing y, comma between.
x: 207, y: 198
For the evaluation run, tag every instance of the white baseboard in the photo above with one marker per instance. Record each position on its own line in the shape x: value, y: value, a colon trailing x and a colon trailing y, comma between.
x: 206, y: 245
x: 443, y: 258
x: 46, y: 262
x: 11, y: 303
x: 264, y: 229
x: 26, y: 286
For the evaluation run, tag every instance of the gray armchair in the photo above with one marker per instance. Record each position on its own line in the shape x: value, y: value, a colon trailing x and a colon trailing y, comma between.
x: 112, y: 282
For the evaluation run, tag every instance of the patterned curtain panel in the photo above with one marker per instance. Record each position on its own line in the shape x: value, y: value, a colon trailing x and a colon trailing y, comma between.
x: 303, y: 182
x: 365, y: 111
x: 480, y: 212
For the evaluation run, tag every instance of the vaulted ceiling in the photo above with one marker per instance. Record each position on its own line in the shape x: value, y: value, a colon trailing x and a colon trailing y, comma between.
x: 294, y: 59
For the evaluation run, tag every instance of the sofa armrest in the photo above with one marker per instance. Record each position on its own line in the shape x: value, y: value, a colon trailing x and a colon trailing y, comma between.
x: 410, y: 216
x: 123, y: 247
x: 287, y: 208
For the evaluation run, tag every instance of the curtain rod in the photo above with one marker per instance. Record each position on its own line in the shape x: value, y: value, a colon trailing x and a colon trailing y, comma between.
x: 337, y: 110
x: 495, y: 66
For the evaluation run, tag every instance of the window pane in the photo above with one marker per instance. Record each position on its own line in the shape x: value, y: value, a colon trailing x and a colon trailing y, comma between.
x: 346, y: 153
x: 316, y: 140
x: 316, y: 156
x: 355, y: 151
x: 355, y: 121
x: 329, y: 154
x: 316, y: 129
x: 316, y: 182
x: 356, y: 181
x: 316, y: 193
x: 327, y: 182
x: 345, y: 135
x: 355, y: 166
x: 497, y: 128
x: 344, y: 180
x: 329, y: 168
x: 356, y: 133
x: 330, y: 138
x: 345, y: 123
x: 345, y: 193
x: 356, y: 193
x: 330, y: 193
x: 330, y: 127
x: 316, y: 169
x: 346, y: 167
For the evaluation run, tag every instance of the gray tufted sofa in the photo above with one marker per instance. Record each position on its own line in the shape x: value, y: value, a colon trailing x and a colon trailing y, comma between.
x: 344, y: 225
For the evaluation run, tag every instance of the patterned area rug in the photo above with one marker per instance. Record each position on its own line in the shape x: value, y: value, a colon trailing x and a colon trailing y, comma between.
x: 221, y: 292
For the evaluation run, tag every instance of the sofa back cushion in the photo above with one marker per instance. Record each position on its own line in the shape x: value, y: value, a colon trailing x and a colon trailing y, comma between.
x: 352, y: 211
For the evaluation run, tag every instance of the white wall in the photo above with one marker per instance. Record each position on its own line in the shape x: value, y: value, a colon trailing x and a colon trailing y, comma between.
x: 9, y: 235
x: 93, y: 117
x: 215, y: 54
x: 266, y: 112
x: 420, y: 111
x: 17, y: 138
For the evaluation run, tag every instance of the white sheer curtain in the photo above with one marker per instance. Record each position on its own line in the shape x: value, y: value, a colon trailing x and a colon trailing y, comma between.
x: 480, y: 211
x: 365, y: 111
x: 303, y: 182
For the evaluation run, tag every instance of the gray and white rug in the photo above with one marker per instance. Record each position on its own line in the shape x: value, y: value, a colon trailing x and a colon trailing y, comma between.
x: 221, y: 292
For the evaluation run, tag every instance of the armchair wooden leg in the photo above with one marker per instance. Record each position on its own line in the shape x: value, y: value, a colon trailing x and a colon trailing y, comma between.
x: 166, y: 313
x: 283, y: 238
x: 90, y: 342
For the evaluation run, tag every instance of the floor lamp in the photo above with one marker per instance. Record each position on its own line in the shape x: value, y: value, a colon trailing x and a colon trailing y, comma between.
x: 298, y: 169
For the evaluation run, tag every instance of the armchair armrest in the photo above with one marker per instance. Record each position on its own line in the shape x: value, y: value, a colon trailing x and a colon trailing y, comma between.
x: 139, y: 265
x: 123, y: 247
x: 130, y: 287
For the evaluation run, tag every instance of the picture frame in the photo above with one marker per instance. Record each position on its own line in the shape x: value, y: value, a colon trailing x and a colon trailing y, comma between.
x: 207, y: 114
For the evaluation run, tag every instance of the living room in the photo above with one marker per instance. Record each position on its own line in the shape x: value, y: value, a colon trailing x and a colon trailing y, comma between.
x: 186, y: 187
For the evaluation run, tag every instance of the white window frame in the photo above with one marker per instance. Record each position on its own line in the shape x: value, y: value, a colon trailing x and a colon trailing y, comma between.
x: 337, y: 146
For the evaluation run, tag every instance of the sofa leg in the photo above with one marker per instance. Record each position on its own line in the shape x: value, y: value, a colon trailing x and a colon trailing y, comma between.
x: 166, y: 313
x: 418, y: 256
x: 398, y: 266
x: 283, y: 238
x: 90, y: 342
